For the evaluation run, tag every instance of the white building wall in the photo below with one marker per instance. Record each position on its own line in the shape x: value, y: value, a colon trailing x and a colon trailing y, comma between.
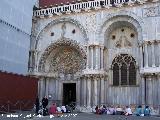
x: 15, y: 30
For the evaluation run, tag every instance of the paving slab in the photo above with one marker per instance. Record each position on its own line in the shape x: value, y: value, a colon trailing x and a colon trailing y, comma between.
x: 72, y: 116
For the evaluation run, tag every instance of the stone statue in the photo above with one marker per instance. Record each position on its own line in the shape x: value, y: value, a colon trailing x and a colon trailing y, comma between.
x: 123, y: 42
x: 63, y: 29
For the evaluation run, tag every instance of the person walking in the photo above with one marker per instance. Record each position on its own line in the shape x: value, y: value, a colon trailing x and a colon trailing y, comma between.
x: 44, y: 104
x: 37, y: 105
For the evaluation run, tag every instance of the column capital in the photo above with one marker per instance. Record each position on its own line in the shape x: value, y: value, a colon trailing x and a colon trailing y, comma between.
x: 152, y: 42
x: 102, y: 46
x: 146, y: 42
x: 140, y: 45
x: 158, y: 75
x: 91, y: 46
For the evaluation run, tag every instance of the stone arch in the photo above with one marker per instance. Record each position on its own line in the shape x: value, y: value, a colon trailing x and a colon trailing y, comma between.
x: 123, y: 16
x: 54, y: 22
x: 60, y: 42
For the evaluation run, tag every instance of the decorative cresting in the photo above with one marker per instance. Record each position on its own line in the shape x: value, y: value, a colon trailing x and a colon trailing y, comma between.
x: 86, y: 5
x: 62, y: 20
x: 124, y: 70
x: 70, y: 57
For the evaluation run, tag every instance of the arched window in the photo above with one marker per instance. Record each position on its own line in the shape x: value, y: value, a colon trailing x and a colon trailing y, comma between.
x: 124, y: 70
x: 116, y: 73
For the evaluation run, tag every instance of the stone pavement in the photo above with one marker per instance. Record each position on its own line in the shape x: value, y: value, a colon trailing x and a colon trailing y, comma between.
x: 90, y: 116
x: 72, y: 116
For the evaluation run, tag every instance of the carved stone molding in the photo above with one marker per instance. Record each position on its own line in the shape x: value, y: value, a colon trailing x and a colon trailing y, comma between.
x: 129, y: 18
x: 94, y: 76
x: 94, y: 73
x: 151, y: 12
x: 61, y: 42
x: 57, y: 21
x: 150, y: 71
x: 91, y: 22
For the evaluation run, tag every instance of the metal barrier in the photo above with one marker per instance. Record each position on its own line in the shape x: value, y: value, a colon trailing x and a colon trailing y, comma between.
x: 10, y: 106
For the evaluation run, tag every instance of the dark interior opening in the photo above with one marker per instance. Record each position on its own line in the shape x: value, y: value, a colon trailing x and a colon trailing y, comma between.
x: 69, y: 93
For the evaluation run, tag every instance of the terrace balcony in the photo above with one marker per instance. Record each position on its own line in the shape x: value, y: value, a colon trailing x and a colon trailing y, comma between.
x: 85, y: 6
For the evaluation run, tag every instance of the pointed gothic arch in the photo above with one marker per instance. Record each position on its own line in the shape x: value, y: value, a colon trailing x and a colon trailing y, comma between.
x: 124, y: 70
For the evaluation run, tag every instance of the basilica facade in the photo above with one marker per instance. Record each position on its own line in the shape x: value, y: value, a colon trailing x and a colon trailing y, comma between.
x: 97, y: 52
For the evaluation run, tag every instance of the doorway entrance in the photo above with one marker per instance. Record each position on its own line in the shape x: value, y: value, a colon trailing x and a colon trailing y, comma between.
x: 69, y: 93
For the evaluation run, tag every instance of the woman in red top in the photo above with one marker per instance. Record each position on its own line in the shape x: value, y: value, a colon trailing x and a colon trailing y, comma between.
x: 53, y: 109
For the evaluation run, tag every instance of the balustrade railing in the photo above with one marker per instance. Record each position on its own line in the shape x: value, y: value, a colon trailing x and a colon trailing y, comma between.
x: 84, y: 6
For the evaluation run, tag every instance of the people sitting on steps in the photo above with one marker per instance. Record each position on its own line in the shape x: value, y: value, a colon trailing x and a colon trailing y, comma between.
x: 127, y: 111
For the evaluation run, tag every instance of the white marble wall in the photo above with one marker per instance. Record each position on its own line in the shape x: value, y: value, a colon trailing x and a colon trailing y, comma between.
x: 15, y: 31
x: 94, y: 30
x: 94, y: 24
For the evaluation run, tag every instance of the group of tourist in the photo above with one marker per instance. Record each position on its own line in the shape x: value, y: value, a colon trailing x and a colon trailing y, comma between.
x: 111, y: 110
x: 58, y: 110
x: 53, y: 109
x: 143, y: 112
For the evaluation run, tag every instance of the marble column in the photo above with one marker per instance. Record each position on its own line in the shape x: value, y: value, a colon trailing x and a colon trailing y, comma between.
x: 88, y: 92
x: 41, y: 89
x: 56, y: 91
x: 87, y: 66
x: 159, y: 52
x: 127, y: 75
x: 141, y: 55
x: 149, y: 91
x: 47, y: 86
x: 60, y: 91
x: 35, y: 62
x: 105, y: 89
x: 30, y: 63
x: 84, y: 91
x: 143, y: 90
x: 78, y: 93
x: 119, y: 75
x: 97, y: 50
x: 39, y: 85
x: 153, y: 55
x: 92, y: 57
x: 158, y: 77
x: 95, y: 91
x: 102, y: 89
x: 102, y: 58
x: 146, y: 54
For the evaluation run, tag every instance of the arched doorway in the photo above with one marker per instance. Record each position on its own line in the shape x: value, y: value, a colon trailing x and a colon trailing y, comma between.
x: 62, y: 63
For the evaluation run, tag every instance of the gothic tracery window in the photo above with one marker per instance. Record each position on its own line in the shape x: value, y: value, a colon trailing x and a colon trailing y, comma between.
x: 124, y: 70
